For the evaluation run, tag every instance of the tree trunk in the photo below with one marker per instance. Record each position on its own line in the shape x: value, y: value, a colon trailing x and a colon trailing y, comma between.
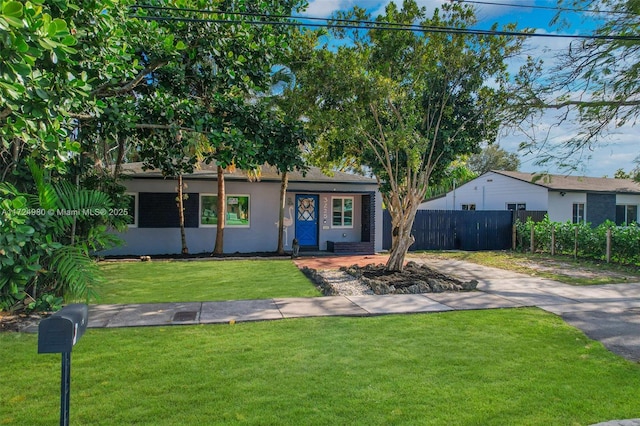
x: 401, y: 238
x: 222, y: 213
x: 283, y: 192
x: 120, y: 159
x: 74, y: 224
x: 180, y: 200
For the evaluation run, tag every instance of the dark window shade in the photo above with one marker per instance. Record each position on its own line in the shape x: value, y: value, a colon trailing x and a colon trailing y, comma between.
x: 620, y: 215
x: 160, y: 210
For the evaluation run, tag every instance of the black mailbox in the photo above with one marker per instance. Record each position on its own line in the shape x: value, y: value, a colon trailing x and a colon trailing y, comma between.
x: 59, y: 332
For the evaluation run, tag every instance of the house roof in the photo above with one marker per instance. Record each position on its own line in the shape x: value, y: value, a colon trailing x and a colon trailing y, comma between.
x: 267, y: 174
x: 575, y: 183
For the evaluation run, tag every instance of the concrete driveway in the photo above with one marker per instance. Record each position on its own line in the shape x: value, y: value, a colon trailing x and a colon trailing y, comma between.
x: 608, y: 313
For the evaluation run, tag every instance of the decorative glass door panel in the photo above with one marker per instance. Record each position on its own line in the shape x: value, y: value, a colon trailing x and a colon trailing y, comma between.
x: 307, y: 220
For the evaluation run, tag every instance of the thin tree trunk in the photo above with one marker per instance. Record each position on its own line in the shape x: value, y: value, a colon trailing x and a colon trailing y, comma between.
x: 120, y: 158
x: 222, y: 213
x: 284, y: 182
x: 74, y: 224
x: 183, y: 235
x: 15, y: 152
x: 401, y: 238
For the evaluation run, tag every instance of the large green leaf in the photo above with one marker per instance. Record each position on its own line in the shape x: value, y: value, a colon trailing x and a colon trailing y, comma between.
x: 13, y: 9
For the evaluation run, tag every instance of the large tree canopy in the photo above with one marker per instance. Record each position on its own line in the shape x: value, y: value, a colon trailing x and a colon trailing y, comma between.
x: 83, y: 87
x: 403, y: 105
x: 593, y: 86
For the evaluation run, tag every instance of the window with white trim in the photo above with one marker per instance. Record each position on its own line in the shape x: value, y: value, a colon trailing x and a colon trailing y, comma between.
x: 578, y: 213
x: 237, y: 207
x: 626, y: 214
x: 516, y: 206
x: 342, y: 212
x: 468, y: 207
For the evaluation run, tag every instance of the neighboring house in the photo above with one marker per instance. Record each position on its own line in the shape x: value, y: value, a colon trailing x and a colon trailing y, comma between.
x: 323, y: 212
x: 564, y: 198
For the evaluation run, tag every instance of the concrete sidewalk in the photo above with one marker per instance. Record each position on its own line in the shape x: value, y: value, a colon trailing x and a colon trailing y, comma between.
x: 608, y: 313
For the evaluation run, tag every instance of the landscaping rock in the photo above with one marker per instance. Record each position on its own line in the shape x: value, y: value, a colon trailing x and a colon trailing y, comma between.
x: 414, y: 279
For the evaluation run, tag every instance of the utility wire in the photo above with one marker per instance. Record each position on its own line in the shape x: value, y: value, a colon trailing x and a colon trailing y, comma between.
x: 272, y: 16
x: 554, y: 8
x: 355, y: 24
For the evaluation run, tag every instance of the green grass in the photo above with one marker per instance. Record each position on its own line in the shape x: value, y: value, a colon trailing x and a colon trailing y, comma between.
x: 497, y: 367
x: 559, y: 268
x: 195, y: 281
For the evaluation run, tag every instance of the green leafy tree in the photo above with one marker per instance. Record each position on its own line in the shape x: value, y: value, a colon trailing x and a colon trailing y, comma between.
x: 458, y: 173
x: 283, y: 150
x: 43, y: 83
x: 634, y: 174
x: 492, y: 157
x: 405, y: 104
x: 37, y: 47
x: 219, y: 79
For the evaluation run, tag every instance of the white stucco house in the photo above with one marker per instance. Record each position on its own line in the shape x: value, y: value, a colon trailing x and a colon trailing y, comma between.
x: 564, y: 198
x: 335, y: 213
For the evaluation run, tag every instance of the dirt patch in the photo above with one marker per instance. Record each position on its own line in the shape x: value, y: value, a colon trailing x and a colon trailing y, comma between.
x: 413, y: 279
x: 583, y: 271
x: 21, y: 322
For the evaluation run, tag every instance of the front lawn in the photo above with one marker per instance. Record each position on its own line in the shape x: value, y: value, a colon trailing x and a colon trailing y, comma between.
x: 494, y: 367
x: 199, y: 281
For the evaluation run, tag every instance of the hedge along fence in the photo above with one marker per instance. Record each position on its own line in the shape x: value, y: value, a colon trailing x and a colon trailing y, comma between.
x: 620, y: 244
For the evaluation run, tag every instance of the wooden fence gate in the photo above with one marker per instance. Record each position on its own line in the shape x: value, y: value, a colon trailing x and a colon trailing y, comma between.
x: 457, y: 229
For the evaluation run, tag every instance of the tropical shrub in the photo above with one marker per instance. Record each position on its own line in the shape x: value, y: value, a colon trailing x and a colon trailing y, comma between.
x: 43, y: 260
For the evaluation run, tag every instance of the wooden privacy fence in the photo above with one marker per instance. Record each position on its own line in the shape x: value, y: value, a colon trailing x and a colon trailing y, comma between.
x: 457, y: 229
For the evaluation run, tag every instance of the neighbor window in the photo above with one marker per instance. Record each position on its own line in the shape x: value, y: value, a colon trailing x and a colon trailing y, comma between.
x: 342, y: 212
x: 237, y: 210
x: 626, y: 214
x: 132, y: 209
x: 516, y: 206
x: 578, y: 213
x: 468, y: 207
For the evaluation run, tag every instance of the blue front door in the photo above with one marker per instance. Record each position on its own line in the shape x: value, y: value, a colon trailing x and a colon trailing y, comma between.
x: 307, y: 220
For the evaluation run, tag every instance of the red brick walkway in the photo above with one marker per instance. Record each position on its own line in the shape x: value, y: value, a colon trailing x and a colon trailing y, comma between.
x: 335, y: 262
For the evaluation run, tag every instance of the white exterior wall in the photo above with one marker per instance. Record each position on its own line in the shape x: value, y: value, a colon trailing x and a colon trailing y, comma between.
x: 492, y: 191
x: 629, y: 199
x: 561, y: 206
x: 262, y: 233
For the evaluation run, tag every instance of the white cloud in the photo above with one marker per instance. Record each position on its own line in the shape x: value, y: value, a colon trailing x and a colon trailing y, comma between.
x: 615, y: 150
x: 325, y: 8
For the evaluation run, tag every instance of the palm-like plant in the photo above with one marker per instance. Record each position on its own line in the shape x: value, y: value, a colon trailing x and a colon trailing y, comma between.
x: 44, y: 259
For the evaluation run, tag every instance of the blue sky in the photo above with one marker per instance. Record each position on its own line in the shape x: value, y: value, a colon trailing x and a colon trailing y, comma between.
x: 617, y: 151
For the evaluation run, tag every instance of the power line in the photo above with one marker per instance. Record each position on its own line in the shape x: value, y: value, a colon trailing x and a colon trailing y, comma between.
x: 554, y: 8
x: 354, y: 24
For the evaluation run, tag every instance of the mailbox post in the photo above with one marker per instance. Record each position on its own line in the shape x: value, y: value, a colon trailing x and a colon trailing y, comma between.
x: 58, y: 334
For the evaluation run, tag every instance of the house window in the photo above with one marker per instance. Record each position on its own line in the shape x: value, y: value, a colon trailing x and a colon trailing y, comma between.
x: 468, y: 207
x: 342, y: 212
x: 132, y: 209
x: 237, y: 207
x: 516, y: 206
x: 160, y: 210
x: 578, y: 213
x: 626, y: 214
